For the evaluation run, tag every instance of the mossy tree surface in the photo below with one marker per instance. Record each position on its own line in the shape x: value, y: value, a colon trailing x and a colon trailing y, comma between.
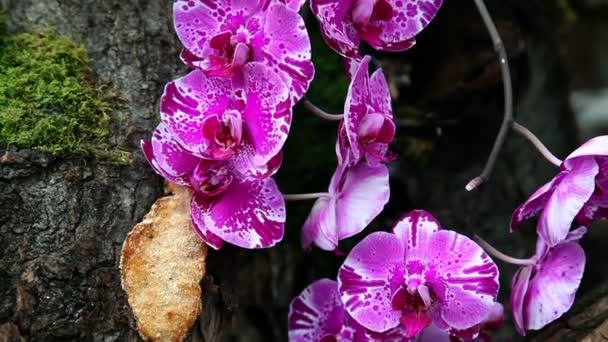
x: 47, y: 100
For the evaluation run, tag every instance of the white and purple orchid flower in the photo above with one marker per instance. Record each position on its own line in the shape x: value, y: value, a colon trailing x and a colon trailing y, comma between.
x: 245, y: 122
x: 545, y: 290
x: 226, y: 205
x: 368, y: 127
x: 356, y: 196
x: 579, y: 191
x: 418, y: 275
x: 386, y: 25
x: 221, y: 36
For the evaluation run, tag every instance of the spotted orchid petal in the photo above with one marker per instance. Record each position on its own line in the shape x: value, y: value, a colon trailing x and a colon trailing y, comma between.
x: 187, y: 102
x: 356, y: 106
x: 460, y: 274
x: 167, y: 158
x: 316, y: 312
x: 561, y: 271
x: 196, y: 22
x: 381, y: 101
x: 408, y: 18
x: 336, y: 28
x: 250, y: 213
x: 567, y: 200
x: 284, y: 46
x: 371, y: 273
x: 361, y: 194
x: 205, y: 234
x: 267, y: 117
x: 295, y: 5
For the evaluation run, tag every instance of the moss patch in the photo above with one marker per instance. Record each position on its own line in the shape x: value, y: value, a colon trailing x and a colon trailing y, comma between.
x: 47, y: 101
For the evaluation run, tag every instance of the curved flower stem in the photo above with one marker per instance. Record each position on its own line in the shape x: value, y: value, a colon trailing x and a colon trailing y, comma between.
x: 321, y: 113
x: 537, y: 143
x: 508, y: 97
x: 501, y: 256
x: 307, y: 196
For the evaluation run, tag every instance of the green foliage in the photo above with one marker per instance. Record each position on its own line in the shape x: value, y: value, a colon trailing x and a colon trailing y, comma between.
x: 47, y: 102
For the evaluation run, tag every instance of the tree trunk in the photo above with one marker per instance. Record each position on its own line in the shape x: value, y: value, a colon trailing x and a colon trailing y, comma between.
x: 63, y: 220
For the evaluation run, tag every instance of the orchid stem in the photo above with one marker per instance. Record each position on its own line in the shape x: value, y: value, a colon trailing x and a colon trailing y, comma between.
x: 501, y: 256
x: 320, y: 112
x: 307, y: 196
x: 537, y: 143
x: 508, y: 97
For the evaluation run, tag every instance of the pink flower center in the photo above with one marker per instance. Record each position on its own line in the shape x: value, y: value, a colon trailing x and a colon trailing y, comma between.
x: 413, y: 302
x: 211, y: 178
x: 365, y: 11
x: 232, y: 49
x: 224, y: 134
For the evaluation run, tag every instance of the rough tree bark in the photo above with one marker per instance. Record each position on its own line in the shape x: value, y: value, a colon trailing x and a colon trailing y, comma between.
x: 62, y: 221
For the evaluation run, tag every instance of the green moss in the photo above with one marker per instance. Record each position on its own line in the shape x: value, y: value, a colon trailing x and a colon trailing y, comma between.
x: 47, y: 101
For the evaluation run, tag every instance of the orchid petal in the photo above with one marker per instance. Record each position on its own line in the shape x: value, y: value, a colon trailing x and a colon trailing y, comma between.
x: 316, y: 312
x: 371, y: 273
x: 597, y: 146
x: 409, y: 18
x: 284, y: 45
x: 535, y: 203
x: 205, y: 234
x: 355, y: 107
x: 381, y: 101
x: 249, y: 214
x: 320, y: 226
x: 552, y: 289
x: 364, y: 192
x: 462, y: 276
x: 519, y: 288
x: 197, y: 21
x: 336, y: 28
x: 415, y: 231
x: 187, y: 102
x: 567, y: 200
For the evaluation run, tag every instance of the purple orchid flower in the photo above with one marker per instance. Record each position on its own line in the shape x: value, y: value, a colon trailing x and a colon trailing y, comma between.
x: 417, y: 275
x: 226, y: 205
x: 221, y: 36
x: 386, y: 25
x: 580, y: 190
x: 317, y: 315
x: 356, y: 196
x: 245, y: 122
x: 368, y: 125
x: 542, y: 292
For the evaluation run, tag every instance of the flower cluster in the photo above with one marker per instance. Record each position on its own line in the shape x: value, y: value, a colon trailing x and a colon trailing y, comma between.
x: 577, y: 195
x: 224, y: 124
x: 417, y: 281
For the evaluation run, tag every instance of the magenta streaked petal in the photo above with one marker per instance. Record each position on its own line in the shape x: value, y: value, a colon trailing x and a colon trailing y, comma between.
x: 409, y: 18
x: 316, y: 312
x: 371, y: 273
x: 597, y: 146
x: 284, y: 45
x: 552, y: 289
x: 535, y: 203
x: 210, y: 239
x: 567, y: 200
x: 356, y: 106
x: 187, y: 102
x: 362, y: 11
x: 519, y: 288
x: 462, y: 276
x: 320, y: 226
x: 336, y: 26
x: 249, y: 214
x: 267, y: 114
x: 365, y: 191
x: 381, y: 101
x: 415, y: 231
x: 352, y: 65
x: 293, y: 4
